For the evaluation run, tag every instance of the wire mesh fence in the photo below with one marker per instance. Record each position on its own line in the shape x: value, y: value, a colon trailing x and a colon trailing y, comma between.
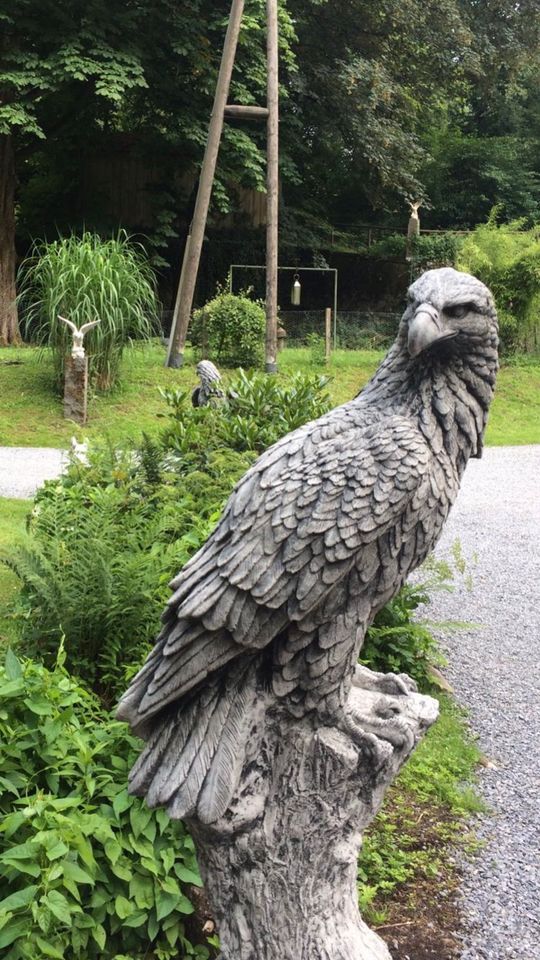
x: 353, y: 329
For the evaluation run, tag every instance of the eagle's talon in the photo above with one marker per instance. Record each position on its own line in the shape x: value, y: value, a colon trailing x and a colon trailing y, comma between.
x: 393, y: 684
x: 393, y: 730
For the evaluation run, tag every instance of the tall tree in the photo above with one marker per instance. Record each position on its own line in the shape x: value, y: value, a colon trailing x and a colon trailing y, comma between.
x: 369, y: 77
x: 146, y: 70
x: 44, y: 48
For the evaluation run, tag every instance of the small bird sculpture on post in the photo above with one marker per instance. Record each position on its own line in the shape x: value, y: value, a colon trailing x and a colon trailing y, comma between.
x: 76, y: 373
x: 262, y: 730
x: 210, y: 386
x: 413, y: 226
x: 78, y: 333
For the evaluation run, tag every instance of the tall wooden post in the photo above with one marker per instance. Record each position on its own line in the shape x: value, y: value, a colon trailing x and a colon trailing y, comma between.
x: 272, y: 185
x: 186, y: 291
x: 327, y: 333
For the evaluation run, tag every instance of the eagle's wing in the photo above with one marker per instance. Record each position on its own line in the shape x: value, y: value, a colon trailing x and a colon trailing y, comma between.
x: 88, y: 326
x: 69, y: 323
x: 291, y: 531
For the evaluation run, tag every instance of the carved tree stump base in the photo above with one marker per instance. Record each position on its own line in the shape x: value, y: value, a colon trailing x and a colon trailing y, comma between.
x: 280, y: 867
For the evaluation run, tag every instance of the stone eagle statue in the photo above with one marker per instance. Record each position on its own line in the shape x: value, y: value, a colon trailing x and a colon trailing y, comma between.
x: 316, y: 537
x: 210, y: 386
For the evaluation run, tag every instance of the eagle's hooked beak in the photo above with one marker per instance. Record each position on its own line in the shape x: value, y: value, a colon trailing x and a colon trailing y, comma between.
x: 425, y: 328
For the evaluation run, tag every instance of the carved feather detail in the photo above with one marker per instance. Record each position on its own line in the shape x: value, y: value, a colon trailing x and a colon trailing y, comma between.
x: 320, y: 532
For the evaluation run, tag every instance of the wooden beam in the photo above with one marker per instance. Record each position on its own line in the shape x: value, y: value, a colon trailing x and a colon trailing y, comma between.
x: 272, y: 185
x: 249, y: 112
x: 188, y: 278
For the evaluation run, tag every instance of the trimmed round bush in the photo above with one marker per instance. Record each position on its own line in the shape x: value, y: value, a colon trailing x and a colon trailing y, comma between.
x: 230, y: 329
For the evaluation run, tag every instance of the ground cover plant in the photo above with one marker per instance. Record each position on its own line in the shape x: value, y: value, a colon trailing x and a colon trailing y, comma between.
x: 31, y: 415
x: 87, y: 871
x: 83, y: 279
x: 408, y: 880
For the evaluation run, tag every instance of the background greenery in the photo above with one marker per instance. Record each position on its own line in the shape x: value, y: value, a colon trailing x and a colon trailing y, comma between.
x: 379, y: 104
x: 31, y: 413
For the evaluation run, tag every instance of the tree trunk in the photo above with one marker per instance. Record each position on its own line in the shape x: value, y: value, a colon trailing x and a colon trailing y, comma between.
x: 280, y: 867
x: 9, y: 323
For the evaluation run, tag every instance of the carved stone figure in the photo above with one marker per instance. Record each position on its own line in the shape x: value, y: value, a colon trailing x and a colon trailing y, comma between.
x: 209, y: 388
x: 413, y: 226
x: 76, y: 373
x: 261, y: 728
x: 77, y: 350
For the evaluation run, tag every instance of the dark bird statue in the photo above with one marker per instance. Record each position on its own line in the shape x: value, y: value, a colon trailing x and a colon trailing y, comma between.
x: 317, y: 536
x: 210, y: 385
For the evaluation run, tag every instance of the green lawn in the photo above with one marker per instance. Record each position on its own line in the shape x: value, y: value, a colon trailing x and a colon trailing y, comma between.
x: 12, y: 526
x: 31, y: 413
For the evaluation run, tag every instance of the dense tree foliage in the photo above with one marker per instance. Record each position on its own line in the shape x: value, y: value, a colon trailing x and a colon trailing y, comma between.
x: 380, y: 102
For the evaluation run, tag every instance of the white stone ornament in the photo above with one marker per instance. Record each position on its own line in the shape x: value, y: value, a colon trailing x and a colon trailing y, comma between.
x: 77, y: 350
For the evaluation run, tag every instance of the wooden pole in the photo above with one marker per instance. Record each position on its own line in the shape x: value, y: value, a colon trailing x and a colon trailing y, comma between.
x: 328, y: 333
x: 188, y: 278
x: 272, y: 185
x: 238, y: 111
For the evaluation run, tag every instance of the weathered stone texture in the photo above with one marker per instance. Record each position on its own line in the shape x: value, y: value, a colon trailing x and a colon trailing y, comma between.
x: 76, y: 388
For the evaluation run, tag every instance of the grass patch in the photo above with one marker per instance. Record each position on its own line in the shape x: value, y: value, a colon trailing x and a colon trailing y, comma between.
x: 13, y: 515
x: 31, y: 412
x: 411, y: 844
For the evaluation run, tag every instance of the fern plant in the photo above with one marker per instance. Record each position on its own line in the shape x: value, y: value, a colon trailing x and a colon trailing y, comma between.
x: 83, y: 279
x: 103, y: 543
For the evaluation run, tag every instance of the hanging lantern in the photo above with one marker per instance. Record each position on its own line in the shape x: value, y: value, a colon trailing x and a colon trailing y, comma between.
x: 296, y: 290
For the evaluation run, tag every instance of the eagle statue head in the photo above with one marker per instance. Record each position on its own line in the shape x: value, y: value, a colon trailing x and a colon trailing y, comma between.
x: 447, y: 305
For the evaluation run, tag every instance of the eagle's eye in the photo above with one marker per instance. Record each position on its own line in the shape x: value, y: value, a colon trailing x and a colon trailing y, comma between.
x: 459, y: 310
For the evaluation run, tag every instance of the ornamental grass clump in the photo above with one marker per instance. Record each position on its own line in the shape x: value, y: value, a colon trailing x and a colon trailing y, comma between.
x: 83, y: 279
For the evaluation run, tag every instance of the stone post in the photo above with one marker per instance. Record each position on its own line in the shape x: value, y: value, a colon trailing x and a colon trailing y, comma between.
x: 76, y: 388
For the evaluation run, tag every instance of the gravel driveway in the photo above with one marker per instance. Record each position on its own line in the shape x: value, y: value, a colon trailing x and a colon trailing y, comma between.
x: 495, y: 672
x: 24, y: 469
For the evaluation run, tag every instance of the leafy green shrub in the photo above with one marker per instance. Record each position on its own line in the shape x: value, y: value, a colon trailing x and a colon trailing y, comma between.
x: 230, y: 329
x: 106, y: 538
x: 506, y: 257
x: 86, y: 871
x: 391, y: 247
x: 429, y: 250
x: 398, y: 641
x: 258, y: 410
x: 317, y: 349
x: 83, y: 279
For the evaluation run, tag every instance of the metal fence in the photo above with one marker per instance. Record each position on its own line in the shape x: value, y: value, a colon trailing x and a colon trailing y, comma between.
x: 354, y: 329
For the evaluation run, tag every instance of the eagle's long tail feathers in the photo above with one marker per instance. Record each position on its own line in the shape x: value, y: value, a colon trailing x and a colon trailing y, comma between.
x: 194, y: 758
x: 167, y: 676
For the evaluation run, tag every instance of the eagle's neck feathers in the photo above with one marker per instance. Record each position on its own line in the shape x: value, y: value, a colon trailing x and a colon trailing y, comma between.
x: 448, y: 389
